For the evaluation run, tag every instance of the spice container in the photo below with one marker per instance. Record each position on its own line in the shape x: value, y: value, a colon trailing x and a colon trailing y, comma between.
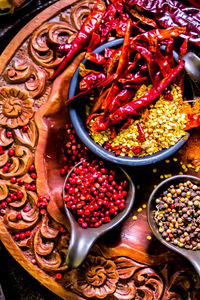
x: 78, y: 116
x: 82, y: 239
x: 192, y: 255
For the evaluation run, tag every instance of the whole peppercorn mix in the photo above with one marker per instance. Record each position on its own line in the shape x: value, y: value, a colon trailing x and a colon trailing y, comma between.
x: 95, y: 194
x: 177, y: 215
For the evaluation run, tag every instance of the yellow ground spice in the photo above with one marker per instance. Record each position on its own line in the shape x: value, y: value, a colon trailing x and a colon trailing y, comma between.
x: 163, y: 126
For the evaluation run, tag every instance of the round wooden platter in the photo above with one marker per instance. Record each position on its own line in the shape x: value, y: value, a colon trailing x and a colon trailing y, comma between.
x: 125, y: 264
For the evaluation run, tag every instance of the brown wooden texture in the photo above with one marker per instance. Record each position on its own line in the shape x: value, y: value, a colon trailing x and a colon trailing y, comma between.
x: 126, y: 266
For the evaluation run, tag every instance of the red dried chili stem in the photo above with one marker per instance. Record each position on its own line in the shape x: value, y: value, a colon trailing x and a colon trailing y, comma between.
x: 132, y: 108
x: 84, y: 35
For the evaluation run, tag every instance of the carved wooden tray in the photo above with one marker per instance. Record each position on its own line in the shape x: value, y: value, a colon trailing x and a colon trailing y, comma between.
x: 127, y: 264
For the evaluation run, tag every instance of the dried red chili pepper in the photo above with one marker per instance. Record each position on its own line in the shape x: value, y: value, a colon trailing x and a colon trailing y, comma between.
x: 102, y: 83
x: 136, y: 149
x: 107, y: 23
x: 150, y: 39
x: 84, y: 35
x: 194, y: 121
x: 132, y: 108
x: 96, y: 58
x: 94, y: 42
x: 134, y: 63
x: 172, y: 13
x: 91, y: 79
x: 136, y: 80
x: 123, y: 64
x: 84, y: 72
x: 163, y: 63
x: 120, y: 24
x: 121, y: 98
x: 169, y: 52
x: 195, y: 3
x: 108, y: 53
x: 143, y: 19
x: 141, y: 133
x: 60, y: 48
x: 118, y: 4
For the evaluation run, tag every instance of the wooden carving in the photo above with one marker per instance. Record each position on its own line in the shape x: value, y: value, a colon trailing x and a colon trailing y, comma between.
x: 32, y: 119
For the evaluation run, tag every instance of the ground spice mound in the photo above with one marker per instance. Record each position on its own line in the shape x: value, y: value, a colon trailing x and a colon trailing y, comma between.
x: 162, y: 124
x: 177, y: 215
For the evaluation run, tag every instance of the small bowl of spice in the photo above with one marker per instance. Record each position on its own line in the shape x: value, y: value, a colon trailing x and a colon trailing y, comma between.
x: 174, y: 216
x: 131, y: 120
x: 97, y: 197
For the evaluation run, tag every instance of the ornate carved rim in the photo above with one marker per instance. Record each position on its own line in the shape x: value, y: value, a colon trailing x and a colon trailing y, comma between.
x: 6, y: 238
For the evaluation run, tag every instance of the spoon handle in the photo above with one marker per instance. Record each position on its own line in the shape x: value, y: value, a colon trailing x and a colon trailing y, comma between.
x: 79, y: 247
x: 194, y: 258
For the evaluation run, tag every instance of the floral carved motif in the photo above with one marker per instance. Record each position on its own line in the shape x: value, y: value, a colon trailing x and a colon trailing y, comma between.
x: 16, y: 108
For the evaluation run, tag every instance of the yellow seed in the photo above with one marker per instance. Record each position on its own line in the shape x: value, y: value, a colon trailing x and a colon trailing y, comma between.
x: 144, y: 206
x: 161, y: 176
x: 167, y: 161
x: 138, y: 187
x: 154, y: 170
x: 149, y: 237
x: 155, y: 185
x: 175, y: 159
x: 180, y: 173
x: 139, y: 209
x: 134, y: 218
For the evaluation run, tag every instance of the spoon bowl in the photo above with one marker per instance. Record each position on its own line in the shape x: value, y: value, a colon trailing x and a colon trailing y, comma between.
x: 192, y: 68
x: 192, y: 255
x: 82, y: 239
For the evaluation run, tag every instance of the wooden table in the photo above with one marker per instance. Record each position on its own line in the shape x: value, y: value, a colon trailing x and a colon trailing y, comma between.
x: 127, y: 264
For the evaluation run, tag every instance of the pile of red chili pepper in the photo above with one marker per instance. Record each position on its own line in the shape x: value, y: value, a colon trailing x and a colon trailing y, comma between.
x: 139, y: 60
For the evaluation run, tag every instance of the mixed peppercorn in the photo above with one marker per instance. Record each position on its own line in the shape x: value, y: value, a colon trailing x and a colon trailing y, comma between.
x: 94, y: 194
x: 177, y: 215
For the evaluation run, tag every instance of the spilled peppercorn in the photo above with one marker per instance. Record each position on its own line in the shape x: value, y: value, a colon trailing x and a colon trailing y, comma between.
x: 95, y: 194
x: 177, y: 215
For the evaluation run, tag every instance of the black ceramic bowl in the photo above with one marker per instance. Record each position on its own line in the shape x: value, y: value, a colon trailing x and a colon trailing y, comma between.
x: 77, y: 115
x: 192, y: 255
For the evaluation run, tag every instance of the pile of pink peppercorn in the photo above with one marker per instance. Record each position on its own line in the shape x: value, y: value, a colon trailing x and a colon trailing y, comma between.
x: 94, y: 194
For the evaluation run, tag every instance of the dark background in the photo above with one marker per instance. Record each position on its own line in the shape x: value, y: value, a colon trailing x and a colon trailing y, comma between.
x: 16, y: 283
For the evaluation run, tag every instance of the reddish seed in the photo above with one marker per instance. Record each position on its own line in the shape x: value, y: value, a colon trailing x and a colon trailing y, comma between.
x: 33, y: 187
x: 9, y: 134
x: 58, y: 276
x: 84, y: 225
x: 33, y: 175
x: 4, y: 204
x: 27, y: 186
x: 20, y: 181
x: 33, y: 261
x: 19, y: 216
x: 5, y: 168
x: 8, y: 199
x: 25, y: 128
x: 17, y: 236
x: 32, y: 168
x: 11, y: 152
x: 13, y: 180
x: 22, y: 235
x: 43, y: 211
x: 28, y: 233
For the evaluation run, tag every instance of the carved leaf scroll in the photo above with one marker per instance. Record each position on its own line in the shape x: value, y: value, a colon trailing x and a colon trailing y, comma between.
x: 29, y: 137
x: 80, y: 12
x: 20, y: 163
x: 4, y: 139
x: 38, y: 48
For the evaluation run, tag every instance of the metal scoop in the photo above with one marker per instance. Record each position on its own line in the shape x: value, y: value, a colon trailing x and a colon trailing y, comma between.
x: 82, y: 239
x: 192, y: 68
x: 192, y: 255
